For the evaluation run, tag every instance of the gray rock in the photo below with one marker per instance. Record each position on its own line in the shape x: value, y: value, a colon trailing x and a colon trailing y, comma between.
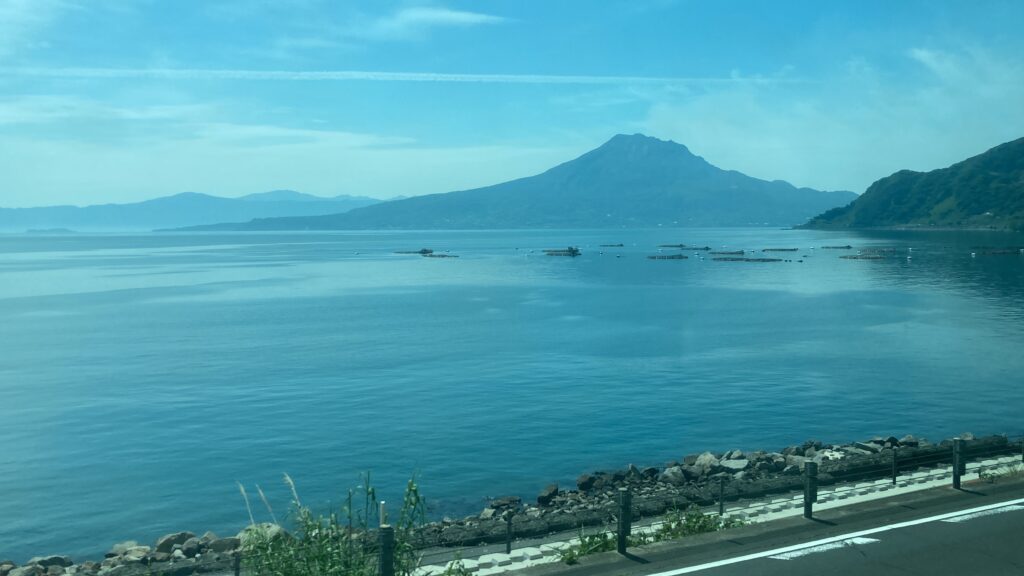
x: 706, y: 460
x: 870, y: 447
x: 488, y: 513
x: 810, y: 452
x: 909, y: 440
x: 732, y: 465
x: 6, y: 566
x: 547, y: 495
x: 690, y: 459
x: 673, y: 475
x: 221, y: 545
x: 264, y: 531
x: 178, y: 554
x: 122, y: 547
x: 208, y: 537
x: 47, y: 561
x: 33, y: 570
x: 166, y: 543
x: 795, y: 461
x: 792, y: 470
x: 55, y: 570
x: 585, y: 482
x: 649, y: 472
x: 967, y: 436
x: 735, y: 455
x: 191, y: 547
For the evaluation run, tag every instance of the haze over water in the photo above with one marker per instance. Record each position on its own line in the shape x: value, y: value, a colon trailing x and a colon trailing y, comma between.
x: 143, y: 375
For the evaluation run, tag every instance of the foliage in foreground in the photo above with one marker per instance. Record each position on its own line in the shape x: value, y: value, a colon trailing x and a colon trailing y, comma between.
x: 343, y: 543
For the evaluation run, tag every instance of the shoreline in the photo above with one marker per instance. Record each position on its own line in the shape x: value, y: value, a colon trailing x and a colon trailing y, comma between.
x: 695, y: 479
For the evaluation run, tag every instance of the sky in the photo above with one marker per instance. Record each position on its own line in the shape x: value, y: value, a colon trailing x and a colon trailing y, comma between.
x: 124, y: 100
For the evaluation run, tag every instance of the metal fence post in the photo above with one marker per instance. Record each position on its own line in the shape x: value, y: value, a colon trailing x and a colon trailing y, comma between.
x: 721, y: 496
x: 810, y: 488
x: 895, y: 466
x: 625, y: 519
x: 508, y: 533
x: 958, y: 461
x: 236, y: 562
x: 387, y: 550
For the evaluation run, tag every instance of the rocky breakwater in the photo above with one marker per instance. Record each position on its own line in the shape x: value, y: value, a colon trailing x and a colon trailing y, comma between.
x: 176, y: 554
x: 697, y: 479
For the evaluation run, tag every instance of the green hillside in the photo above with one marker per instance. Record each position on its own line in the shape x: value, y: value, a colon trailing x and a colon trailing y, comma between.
x: 986, y: 191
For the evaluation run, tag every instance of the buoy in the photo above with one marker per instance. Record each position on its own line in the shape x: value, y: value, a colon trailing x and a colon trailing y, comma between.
x: 973, y: 255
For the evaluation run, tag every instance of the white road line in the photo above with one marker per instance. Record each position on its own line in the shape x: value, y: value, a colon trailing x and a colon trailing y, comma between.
x: 823, y: 548
x: 787, y: 549
x: 967, y: 517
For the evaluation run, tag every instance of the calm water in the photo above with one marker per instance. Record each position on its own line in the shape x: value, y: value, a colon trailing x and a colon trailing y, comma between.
x: 141, y: 376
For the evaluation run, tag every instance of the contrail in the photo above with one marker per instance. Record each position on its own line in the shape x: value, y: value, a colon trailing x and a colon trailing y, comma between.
x: 361, y: 75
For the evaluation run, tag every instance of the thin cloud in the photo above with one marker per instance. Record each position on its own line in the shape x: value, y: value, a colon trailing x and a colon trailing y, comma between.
x: 372, y: 76
x: 410, y: 23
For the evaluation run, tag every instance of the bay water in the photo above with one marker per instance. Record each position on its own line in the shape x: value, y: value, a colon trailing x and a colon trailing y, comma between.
x: 142, y: 376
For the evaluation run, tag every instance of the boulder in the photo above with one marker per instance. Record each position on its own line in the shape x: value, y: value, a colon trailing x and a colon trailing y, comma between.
x: 547, y: 495
x: 30, y: 570
x: 191, y: 547
x: 967, y: 436
x: 166, y: 543
x: 122, y: 547
x: 6, y: 566
x: 734, y: 455
x: 47, y: 561
x: 734, y: 465
x: 708, y: 464
x: 257, y: 532
x: 585, y: 482
x: 792, y: 470
x: 795, y: 461
x: 793, y: 451
x: 488, y: 513
x: 673, y: 475
x: 221, y: 545
x: 691, y: 459
x: 649, y: 473
x: 208, y: 537
x: 909, y: 441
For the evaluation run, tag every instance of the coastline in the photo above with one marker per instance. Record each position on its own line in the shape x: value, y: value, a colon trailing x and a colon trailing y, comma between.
x: 695, y: 479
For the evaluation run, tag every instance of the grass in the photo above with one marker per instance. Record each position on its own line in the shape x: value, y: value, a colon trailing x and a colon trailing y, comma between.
x: 342, y: 543
x: 677, y: 523
x: 1014, y: 472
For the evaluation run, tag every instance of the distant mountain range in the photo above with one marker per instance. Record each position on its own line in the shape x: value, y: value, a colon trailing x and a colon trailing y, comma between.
x: 629, y: 182
x: 985, y: 191
x: 185, y: 209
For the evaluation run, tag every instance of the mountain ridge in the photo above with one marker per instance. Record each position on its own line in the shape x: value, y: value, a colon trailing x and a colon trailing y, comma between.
x: 629, y: 181
x: 175, y: 210
x: 983, y: 191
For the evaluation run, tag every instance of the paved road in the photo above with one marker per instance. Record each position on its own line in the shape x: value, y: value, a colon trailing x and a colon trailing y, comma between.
x: 972, y: 532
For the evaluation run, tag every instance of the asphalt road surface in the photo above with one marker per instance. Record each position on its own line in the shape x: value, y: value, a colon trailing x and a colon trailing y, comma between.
x: 977, y: 531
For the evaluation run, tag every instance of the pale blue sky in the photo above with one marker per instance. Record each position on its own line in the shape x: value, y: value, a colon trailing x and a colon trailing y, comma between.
x: 116, y: 101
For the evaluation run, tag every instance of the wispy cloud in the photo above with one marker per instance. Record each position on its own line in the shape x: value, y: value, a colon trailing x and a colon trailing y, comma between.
x: 863, y: 123
x: 414, y: 22
x: 374, y: 76
x: 21, y: 20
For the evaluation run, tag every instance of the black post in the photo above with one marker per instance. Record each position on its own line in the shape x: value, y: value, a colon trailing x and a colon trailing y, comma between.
x: 387, y: 550
x: 508, y: 532
x: 625, y: 518
x: 810, y: 488
x: 721, y: 496
x: 236, y: 562
x: 895, y: 466
x: 958, y: 461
